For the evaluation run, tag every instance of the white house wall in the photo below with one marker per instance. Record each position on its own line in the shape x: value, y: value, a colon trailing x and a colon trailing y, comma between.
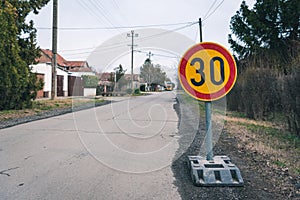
x: 79, y: 74
x: 46, y: 69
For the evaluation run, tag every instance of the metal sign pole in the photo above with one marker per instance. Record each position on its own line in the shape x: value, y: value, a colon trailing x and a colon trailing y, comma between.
x: 212, y: 170
x: 208, y: 138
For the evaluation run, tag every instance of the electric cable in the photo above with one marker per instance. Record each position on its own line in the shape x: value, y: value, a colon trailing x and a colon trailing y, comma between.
x: 212, y: 5
x: 118, y: 27
x: 121, y: 44
x: 213, y: 11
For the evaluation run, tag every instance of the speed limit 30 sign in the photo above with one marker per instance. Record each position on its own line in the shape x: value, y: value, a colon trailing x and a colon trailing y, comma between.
x: 207, y: 71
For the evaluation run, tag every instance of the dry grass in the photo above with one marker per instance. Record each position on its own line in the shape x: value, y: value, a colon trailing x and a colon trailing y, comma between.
x: 281, y: 148
x: 43, y: 105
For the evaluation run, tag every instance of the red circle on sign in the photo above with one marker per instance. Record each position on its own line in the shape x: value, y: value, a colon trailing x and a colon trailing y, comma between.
x: 214, y: 95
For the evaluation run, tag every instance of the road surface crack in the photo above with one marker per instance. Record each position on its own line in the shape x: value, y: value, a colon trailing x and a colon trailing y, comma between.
x: 3, y: 172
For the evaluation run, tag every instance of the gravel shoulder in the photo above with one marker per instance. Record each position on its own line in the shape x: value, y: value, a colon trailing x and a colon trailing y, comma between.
x: 262, y: 181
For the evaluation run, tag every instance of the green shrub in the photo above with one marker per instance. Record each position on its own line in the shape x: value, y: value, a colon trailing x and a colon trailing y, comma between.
x: 129, y: 91
x: 90, y: 81
x: 137, y: 91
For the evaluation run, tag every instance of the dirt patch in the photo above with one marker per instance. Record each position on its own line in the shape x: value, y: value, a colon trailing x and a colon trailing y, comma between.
x: 263, y: 179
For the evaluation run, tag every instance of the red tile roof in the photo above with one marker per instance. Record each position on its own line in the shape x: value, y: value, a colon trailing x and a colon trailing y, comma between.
x: 106, y: 76
x: 77, y: 64
x: 73, y: 66
x: 46, y: 57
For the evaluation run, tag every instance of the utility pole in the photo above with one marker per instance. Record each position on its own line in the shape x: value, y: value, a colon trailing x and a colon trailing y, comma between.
x: 149, y: 55
x: 54, y: 50
x: 149, y: 71
x: 132, y: 35
x: 200, y: 29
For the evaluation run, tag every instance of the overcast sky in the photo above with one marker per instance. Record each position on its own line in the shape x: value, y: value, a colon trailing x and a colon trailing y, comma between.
x: 86, y: 24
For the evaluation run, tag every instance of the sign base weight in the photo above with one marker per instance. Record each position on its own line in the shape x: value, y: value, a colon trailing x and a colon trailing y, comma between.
x: 217, y: 172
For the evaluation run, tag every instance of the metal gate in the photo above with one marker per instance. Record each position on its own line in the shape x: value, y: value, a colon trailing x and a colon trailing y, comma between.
x: 75, y: 86
x: 60, y: 85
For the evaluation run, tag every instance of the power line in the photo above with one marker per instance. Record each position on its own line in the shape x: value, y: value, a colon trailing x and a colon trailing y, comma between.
x: 116, y: 5
x: 212, y: 5
x: 214, y: 10
x: 166, y: 56
x: 64, y: 50
x: 119, y: 27
x: 121, y: 44
x: 168, y: 31
x: 149, y: 54
x: 104, y: 12
x: 116, y: 45
x: 89, y: 10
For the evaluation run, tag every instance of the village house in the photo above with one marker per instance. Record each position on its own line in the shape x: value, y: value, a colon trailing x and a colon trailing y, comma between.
x: 68, y: 75
x: 107, y: 82
x: 136, y: 80
x: 44, y: 71
x: 70, y: 81
x: 79, y: 68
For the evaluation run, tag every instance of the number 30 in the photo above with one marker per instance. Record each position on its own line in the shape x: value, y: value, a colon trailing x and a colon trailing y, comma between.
x: 200, y: 71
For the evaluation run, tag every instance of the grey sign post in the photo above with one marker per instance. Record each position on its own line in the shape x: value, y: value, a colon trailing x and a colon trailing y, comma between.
x: 197, y: 74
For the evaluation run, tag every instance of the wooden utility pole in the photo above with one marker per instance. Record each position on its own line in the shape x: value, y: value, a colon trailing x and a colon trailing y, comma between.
x: 132, y: 35
x: 54, y: 50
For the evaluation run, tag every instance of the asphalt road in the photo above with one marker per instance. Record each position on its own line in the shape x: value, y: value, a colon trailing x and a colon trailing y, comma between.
x: 121, y: 150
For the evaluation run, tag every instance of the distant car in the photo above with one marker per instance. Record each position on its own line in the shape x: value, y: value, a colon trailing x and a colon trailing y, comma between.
x: 169, y: 86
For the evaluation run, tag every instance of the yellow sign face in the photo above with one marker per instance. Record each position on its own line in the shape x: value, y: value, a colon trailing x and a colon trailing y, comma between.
x: 207, y: 71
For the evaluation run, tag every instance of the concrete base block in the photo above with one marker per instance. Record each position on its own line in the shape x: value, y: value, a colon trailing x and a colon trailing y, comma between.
x: 217, y: 172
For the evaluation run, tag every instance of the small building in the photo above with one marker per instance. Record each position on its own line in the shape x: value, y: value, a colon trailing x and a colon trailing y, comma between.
x: 106, y: 82
x: 136, y: 80
x: 68, y: 74
x: 79, y: 68
x: 44, y: 70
